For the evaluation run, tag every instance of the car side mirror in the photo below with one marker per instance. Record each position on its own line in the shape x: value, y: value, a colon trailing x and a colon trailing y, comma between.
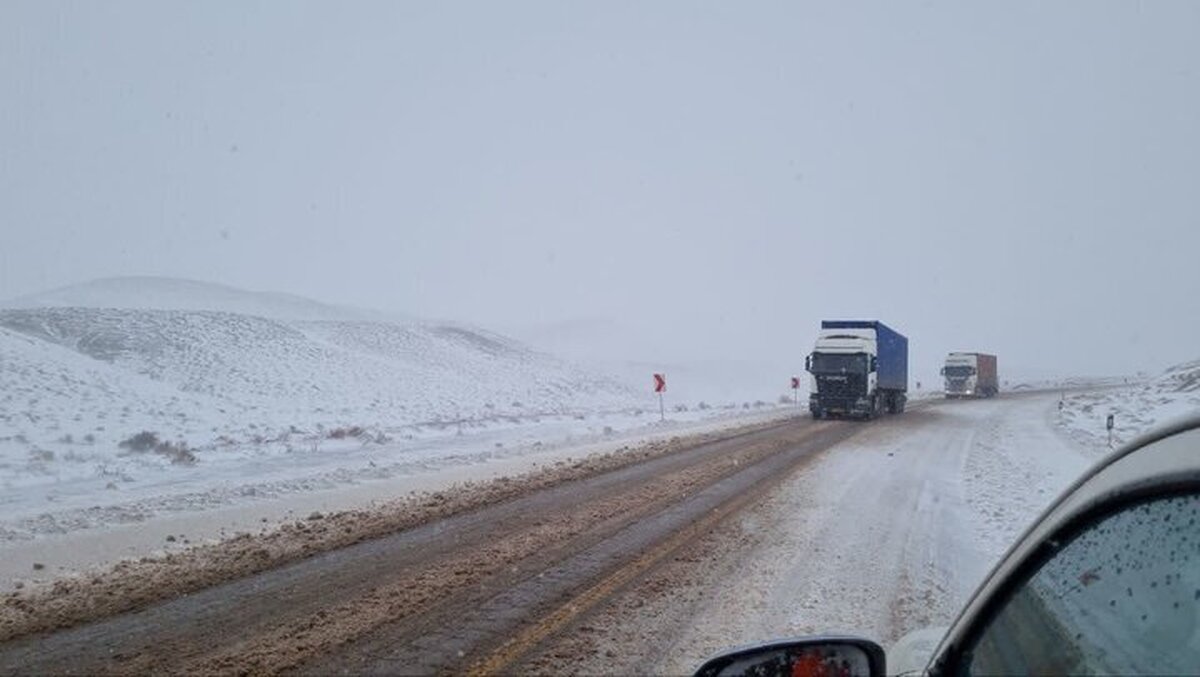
x: 809, y: 656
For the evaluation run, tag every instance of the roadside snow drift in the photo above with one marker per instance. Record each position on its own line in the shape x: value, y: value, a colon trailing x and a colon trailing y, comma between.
x: 1135, y: 410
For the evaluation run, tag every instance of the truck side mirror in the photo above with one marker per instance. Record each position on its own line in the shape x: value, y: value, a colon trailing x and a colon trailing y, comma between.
x: 808, y: 363
x: 943, y: 371
x: 874, y: 363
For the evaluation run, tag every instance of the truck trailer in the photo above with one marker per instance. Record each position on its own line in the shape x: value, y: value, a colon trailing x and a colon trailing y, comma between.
x: 971, y: 375
x: 859, y: 369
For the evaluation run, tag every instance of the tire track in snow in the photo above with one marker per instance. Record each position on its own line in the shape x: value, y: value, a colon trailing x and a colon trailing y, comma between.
x: 881, y: 535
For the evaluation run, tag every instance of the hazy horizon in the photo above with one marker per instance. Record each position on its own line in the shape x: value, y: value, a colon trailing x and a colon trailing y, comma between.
x: 604, y: 342
x: 694, y: 182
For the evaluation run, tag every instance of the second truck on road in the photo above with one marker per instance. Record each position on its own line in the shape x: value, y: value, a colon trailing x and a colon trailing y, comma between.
x: 859, y: 369
x: 971, y: 375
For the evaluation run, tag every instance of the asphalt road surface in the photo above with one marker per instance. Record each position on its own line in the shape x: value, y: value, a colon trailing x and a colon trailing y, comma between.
x: 645, y: 568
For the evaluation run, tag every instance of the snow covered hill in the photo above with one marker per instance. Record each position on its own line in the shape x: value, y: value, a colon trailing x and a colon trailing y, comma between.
x: 98, y: 364
x: 325, y: 371
x: 166, y: 293
x: 1135, y: 410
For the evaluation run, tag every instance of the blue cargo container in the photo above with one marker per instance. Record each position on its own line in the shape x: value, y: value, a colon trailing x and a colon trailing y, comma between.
x: 892, y: 369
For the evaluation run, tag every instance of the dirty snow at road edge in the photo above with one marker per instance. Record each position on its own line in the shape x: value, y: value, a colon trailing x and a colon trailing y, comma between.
x: 88, y: 534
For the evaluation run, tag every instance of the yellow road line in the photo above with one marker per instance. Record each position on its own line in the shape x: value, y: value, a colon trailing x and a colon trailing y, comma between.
x: 516, y: 647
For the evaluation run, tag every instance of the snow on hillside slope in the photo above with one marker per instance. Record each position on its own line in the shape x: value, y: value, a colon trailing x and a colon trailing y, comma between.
x: 1135, y: 410
x: 199, y: 376
x: 164, y: 293
x: 62, y: 413
x: 299, y: 386
x: 330, y: 372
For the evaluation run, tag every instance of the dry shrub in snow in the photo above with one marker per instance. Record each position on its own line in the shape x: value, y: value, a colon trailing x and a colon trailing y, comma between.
x: 41, y: 455
x: 143, y: 441
x: 177, y: 453
x: 343, y: 433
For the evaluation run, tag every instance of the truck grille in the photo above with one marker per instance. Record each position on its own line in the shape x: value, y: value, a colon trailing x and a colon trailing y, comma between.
x: 846, y: 387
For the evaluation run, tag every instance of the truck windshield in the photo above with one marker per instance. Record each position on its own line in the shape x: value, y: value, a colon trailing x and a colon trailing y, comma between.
x: 827, y: 363
x: 959, y: 370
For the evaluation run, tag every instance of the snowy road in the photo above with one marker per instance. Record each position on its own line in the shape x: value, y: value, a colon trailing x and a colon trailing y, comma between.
x: 886, y: 533
x: 876, y: 529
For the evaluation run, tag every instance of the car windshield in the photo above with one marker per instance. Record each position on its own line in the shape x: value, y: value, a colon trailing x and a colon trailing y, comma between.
x: 1120, y: 598
x: 833, y: 363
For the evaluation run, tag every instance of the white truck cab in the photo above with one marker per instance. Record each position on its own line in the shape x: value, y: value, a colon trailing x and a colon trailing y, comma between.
x: 962, y: 374
x: 842, y: 368
x: 971, y: 375
x: 859, y: 369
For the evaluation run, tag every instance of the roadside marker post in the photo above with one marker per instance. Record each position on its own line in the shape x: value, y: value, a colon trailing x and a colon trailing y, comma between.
x: 1109, y: 424
x: 796, y: 390
x: 660, y: 387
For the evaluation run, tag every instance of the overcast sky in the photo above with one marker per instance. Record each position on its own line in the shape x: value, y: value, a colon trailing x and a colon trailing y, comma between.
x: 712, y: 178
